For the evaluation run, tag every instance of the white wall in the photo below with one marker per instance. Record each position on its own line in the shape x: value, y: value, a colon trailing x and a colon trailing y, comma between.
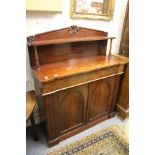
x: 38, y: 22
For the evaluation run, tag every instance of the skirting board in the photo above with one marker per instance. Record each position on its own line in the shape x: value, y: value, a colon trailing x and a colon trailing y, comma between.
x: 122, y: 113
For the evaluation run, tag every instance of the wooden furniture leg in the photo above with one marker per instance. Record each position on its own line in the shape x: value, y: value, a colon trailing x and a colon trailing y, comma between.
x: 34, y: 127
x: 30, y: 105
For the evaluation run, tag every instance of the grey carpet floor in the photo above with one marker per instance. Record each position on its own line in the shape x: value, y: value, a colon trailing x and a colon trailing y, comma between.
x: 40, y: 147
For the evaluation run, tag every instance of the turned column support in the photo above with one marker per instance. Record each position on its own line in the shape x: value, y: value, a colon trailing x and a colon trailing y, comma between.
x: 110, y: 46
x: 36, y: 58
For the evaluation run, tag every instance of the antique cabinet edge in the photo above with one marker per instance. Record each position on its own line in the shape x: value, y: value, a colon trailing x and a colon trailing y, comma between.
x: 48, y: 114
x: 124, y: 61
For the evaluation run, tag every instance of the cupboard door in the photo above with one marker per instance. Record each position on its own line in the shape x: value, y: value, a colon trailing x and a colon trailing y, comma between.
x: 100, y: 97
x: 70, y: 108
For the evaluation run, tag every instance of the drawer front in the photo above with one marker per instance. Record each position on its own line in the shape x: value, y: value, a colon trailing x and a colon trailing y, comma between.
x: 84, y: 77
x: 79, y: 79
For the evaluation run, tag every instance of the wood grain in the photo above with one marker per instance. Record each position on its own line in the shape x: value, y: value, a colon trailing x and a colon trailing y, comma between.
x: 61, y: 35
x: 123, y: 95
x: 63, y: 41
x: 76, y: 66
x: 70, y: 108
x: 100, y: 97
x: 63, y: 52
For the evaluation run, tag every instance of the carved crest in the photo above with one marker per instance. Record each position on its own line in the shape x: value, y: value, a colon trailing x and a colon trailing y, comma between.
x: 31, y: 38
x: 74, y: 29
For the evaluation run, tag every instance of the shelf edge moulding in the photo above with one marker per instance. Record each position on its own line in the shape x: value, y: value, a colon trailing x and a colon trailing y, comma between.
x: 44, y: 5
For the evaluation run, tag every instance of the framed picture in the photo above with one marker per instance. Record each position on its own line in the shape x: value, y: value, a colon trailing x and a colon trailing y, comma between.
x: 92, y: 9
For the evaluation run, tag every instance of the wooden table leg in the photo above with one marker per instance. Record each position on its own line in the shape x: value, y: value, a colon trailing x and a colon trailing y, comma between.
x: 34, y: 127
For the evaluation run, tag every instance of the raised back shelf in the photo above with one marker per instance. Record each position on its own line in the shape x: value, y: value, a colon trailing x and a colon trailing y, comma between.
x: 64, y: 46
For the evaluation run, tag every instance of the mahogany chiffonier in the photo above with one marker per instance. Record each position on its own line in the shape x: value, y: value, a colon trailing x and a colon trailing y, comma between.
x: 76, y: 82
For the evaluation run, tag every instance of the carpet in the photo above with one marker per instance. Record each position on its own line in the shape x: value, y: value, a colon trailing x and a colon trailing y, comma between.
x: 109, y: 141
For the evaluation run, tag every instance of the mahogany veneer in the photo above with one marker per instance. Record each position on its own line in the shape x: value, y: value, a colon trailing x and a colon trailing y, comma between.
x: 76, y: 83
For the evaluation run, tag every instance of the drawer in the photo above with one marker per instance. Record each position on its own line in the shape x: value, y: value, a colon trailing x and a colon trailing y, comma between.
x: 84, y: 77
x: 80, y: 78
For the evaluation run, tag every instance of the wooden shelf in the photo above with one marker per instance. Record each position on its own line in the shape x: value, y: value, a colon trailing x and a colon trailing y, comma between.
x: 61, y: 41
x: 70, y: 67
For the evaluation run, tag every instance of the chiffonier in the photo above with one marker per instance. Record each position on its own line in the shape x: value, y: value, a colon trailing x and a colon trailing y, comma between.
x: 76, y: 79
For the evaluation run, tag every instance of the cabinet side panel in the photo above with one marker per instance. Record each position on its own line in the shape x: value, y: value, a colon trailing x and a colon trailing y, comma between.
x: 123, y: 97
x: 31, y: 56
x: 48, y: 111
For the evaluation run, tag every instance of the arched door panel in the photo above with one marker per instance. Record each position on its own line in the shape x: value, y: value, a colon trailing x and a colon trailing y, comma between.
x: 100, y: 97
x: 70, y: 108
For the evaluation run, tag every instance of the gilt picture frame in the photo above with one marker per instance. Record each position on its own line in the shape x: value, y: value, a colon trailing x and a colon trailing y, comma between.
x: 92, y: 9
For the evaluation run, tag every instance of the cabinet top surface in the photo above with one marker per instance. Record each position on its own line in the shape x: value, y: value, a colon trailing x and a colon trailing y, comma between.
x: 52, y: 71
